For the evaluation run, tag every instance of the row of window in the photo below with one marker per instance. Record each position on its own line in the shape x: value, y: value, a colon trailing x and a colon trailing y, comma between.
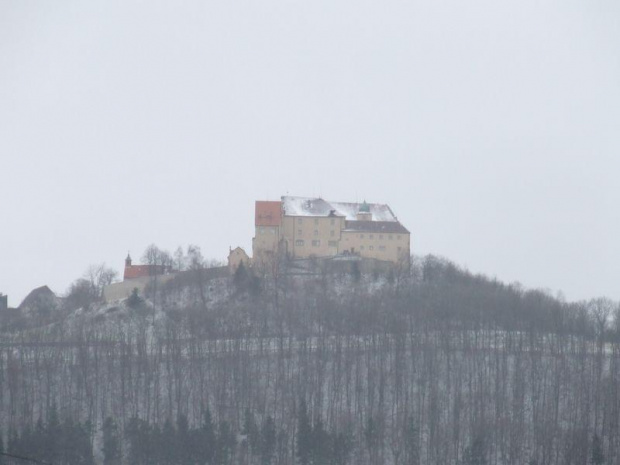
x: 315, y: 243
x: 316, y: 232
x: 266, y: 230
x: 301, y: 243
x: 316, y: 221
x: 381, y: 248
x: 372, y: 236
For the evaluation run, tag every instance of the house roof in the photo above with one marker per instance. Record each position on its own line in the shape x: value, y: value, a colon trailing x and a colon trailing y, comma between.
x: 37, y: 295
x: 267, y: 213
x: 388, y: 227
x: 308, y: 206
x: 236, y: 251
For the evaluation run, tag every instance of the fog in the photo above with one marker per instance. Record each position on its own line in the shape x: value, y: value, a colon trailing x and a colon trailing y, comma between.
x: 490, y: 128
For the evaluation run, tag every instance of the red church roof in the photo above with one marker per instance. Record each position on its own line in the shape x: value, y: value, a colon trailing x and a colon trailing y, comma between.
x: 141, y: 271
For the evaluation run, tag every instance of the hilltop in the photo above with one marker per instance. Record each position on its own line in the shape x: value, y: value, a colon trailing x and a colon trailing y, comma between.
x: 309, y: 297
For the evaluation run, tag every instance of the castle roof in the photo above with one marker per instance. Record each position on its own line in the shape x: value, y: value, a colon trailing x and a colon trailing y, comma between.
x: 267, y: 213
x: 308, y: 206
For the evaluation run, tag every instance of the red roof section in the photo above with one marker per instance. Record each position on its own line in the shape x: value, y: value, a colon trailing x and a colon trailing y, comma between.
x: 141, y: 271
x: 268, y: 213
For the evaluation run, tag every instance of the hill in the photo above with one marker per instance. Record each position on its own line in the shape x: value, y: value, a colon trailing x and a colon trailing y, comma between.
x: 428, y: 364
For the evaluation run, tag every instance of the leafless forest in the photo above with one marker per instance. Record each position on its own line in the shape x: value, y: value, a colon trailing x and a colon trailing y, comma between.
x: 422, y: 365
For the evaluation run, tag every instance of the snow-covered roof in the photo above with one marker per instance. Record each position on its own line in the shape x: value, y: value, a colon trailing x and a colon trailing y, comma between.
x: 308, y: 206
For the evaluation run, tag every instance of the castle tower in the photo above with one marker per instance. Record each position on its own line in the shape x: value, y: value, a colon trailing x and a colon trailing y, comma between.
x: 364, y: 213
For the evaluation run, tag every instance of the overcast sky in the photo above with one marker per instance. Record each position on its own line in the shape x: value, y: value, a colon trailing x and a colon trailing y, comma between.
x: 492, y: 129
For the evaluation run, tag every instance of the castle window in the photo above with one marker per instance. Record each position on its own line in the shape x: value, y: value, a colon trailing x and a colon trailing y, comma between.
x: 298, y: 220
x: 316, y: 243
x: 390, y: 237
x: 332, y: 221
x: 333, y: 243
x: 371, y: 236
x: 299, y: 231
x: 370, y: 247
x: 382, y: 248
x: 316, y: 221
x: 316, y: 232
x: 299, y: 243
x: 332, y: 233
x: 398, y: 238
x: 400, y: 248
x: 361, y: 236
x: 380, y: 237
x: 361, y: 247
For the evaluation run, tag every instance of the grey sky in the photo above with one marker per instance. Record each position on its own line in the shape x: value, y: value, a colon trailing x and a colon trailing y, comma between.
x: 490, y: 127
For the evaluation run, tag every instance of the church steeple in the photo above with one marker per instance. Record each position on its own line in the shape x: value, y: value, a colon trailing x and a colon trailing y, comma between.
x: 128, y: 260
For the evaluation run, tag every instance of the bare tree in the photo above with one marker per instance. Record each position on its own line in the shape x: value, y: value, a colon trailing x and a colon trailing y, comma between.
x: 99, y: 276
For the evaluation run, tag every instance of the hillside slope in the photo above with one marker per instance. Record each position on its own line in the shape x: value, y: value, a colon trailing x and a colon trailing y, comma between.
x: 431, y: 365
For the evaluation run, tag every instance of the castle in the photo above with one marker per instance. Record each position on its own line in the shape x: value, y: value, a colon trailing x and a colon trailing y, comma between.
x: 303, y: 227
x: 297, y: 228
